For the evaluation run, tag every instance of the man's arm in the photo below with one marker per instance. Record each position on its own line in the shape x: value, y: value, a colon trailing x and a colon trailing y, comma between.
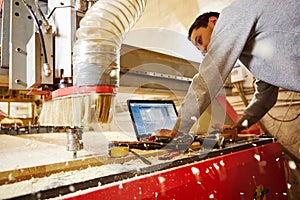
x: 264, y: 99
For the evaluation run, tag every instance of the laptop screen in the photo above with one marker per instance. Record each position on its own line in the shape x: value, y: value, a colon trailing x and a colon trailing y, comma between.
x: 151, y: 115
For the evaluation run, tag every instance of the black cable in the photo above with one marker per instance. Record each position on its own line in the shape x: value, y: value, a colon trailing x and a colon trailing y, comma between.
x: 281, y: 120
x: 29, y: 8
x: 51, y: 13
x: 39, y: 10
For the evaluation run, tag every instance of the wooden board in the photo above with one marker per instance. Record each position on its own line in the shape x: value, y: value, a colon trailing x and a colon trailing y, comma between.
x: 38, y: 155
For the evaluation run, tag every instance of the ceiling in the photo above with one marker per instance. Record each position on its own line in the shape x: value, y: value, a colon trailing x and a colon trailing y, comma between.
x: 164, y: 25
x: 176, y: 15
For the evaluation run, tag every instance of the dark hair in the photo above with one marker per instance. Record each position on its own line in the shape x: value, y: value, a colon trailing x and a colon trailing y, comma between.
x: 202, y: 21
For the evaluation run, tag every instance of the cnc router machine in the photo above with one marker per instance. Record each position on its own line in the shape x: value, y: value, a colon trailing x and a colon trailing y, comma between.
x: 50, y: 50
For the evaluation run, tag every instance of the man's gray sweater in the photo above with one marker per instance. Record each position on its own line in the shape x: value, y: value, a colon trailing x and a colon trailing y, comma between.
x: 265, y: 36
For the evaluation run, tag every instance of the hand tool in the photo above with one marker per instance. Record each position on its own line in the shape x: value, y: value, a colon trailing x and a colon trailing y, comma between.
x: 140, y: 157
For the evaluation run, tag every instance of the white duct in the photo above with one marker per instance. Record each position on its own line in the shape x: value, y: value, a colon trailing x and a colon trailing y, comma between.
x: 96, y: 53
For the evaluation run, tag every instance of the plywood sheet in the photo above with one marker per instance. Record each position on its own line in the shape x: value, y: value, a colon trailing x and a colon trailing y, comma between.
x: 39, y: 155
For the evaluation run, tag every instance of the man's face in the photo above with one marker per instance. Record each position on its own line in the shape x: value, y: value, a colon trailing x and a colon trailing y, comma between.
x: 201, y: 37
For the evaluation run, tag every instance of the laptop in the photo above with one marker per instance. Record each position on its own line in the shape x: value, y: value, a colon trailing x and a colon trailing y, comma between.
x: 149, y: 116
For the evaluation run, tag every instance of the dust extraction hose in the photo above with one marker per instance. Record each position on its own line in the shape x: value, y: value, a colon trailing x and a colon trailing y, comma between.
x: 96, y: 53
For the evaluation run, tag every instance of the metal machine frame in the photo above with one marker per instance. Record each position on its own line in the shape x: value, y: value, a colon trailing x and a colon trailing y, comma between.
x: 21, y: 51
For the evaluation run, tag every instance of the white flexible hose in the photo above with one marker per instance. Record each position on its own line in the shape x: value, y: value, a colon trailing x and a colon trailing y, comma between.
x: 96, y: 53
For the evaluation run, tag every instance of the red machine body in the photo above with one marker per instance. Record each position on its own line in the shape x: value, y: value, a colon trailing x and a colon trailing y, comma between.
x: 254, y: 173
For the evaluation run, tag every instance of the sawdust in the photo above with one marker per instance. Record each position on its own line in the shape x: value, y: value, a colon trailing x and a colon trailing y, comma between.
x: 36, y: 185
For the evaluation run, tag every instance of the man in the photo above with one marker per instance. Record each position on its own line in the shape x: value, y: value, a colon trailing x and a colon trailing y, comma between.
x: 264, y: 35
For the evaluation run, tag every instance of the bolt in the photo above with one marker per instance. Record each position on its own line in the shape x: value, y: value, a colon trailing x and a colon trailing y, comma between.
x: 19, y: 50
